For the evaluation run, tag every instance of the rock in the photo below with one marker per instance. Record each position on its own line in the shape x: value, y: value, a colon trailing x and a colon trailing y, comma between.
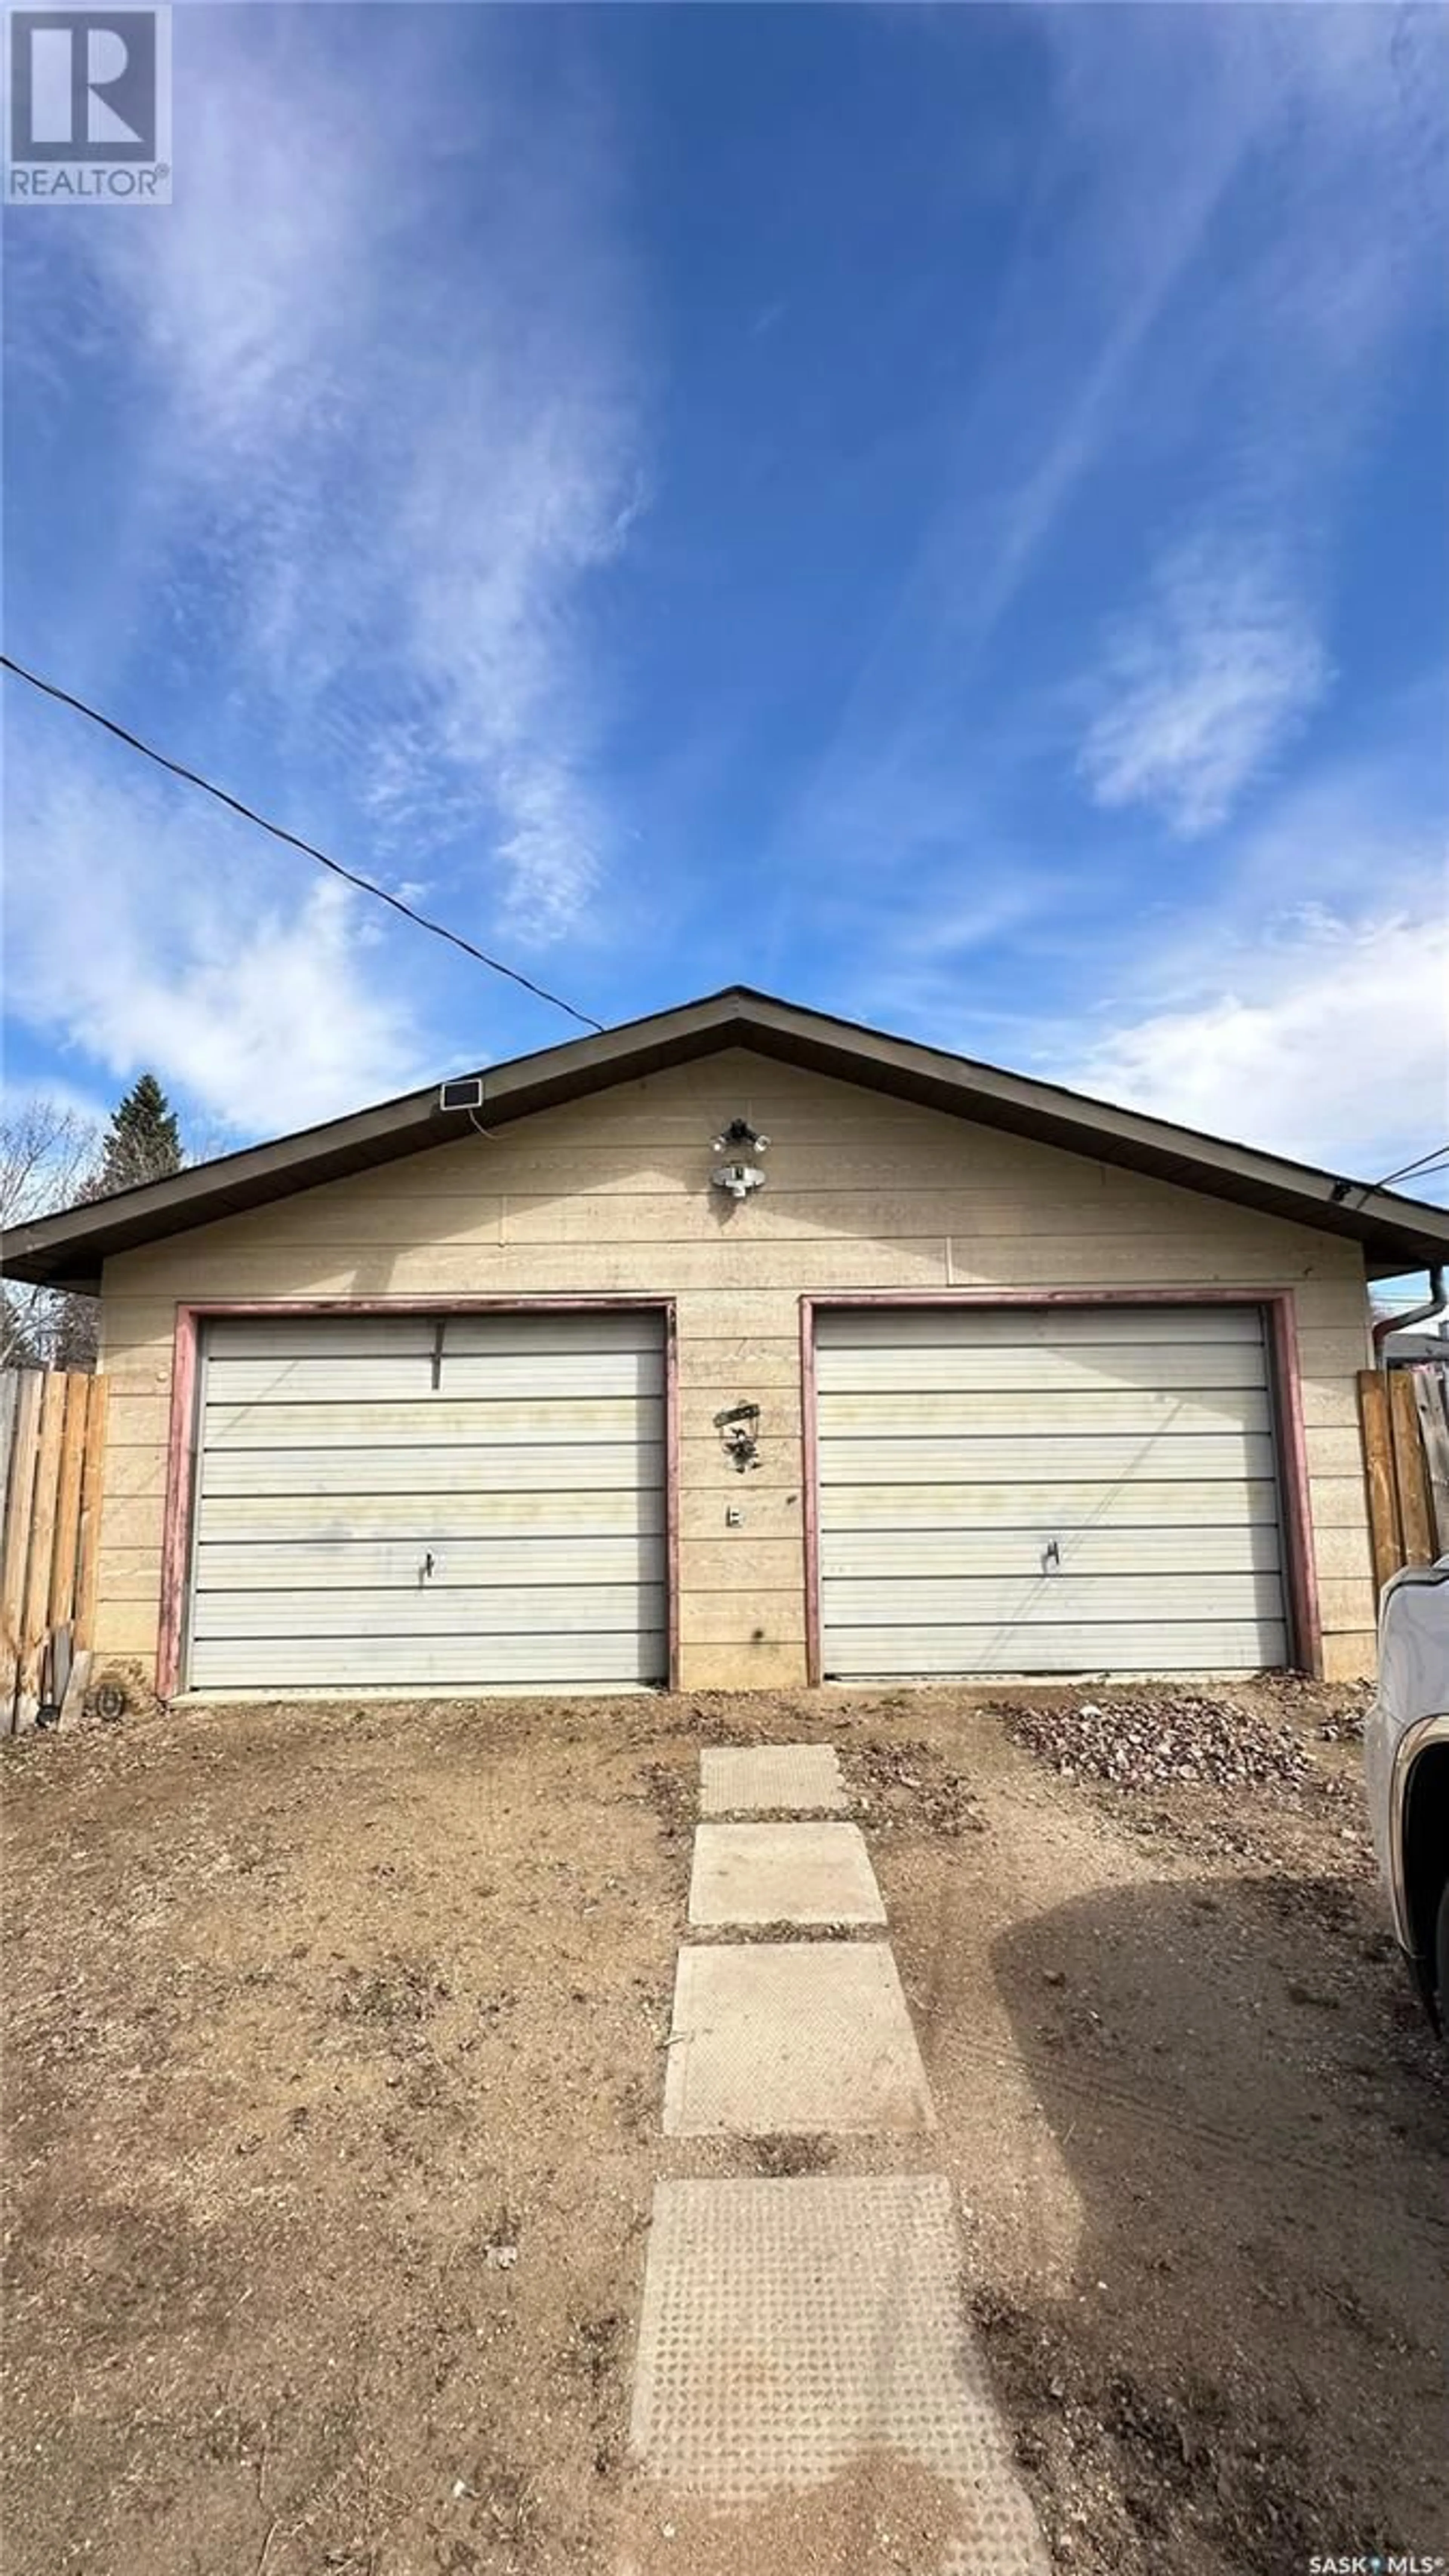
x: 1162, y: 1742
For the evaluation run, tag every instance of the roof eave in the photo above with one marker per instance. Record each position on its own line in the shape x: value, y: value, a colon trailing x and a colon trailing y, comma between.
x: 68, y: 1250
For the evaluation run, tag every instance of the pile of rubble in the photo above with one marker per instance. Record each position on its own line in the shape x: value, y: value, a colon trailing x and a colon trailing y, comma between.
x: 908, y: 1784
x: 1347, y: 1725
x: 1161, y: 1742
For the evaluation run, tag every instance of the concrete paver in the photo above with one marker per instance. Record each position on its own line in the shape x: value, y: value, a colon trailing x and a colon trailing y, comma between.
x: 791, y: 2328
x: 769, y: 1779
x: 782, y: 1873
x: 778, y: 2038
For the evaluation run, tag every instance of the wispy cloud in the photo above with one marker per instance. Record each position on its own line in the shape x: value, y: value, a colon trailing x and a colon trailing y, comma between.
x: 1201, y: 687
x: 1191, y: 298
x: 1212, y: 671
x: 957, y: 707
x: 1301, y: 1000
x: 374, y: 413
x: 387, y: 352
x: 1327, y: 1039
x: 1295, y: 995
x: 156, y: 935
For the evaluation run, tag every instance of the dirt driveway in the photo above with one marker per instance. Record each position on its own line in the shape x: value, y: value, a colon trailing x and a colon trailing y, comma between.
x: 332, y: 2106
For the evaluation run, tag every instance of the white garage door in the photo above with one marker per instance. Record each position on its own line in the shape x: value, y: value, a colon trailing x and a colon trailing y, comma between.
x: 410, y: 1501
x: 1074, y: 1489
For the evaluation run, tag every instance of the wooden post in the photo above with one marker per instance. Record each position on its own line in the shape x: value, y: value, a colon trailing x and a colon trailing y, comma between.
x: 15, y: 1566
x: 33, y: 1630
x: 1415, y: 1515
x: 1431, y: 1395
x: 88, y: 1540
x: 1378, y: 1461
x: 61, y: 1608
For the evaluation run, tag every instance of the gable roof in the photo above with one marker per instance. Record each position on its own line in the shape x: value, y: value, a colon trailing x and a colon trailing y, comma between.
x: 67, y: 1250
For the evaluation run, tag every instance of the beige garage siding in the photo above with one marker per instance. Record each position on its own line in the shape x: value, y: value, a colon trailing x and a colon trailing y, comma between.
x: 611, y: 1196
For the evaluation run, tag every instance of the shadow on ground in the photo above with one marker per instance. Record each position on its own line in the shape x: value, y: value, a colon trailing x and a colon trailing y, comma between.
x: 1246, y: 2367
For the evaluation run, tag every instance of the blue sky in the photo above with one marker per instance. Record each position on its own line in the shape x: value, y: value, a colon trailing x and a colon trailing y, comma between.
x: 939, y: 513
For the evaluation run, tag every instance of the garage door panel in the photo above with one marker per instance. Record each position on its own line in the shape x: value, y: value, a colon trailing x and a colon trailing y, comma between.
x: 442, y: 1516
x: 436, y: 1419
x: 350, y: 1337
x: 408, y: 1377
x: 1090, y: 1599
x: 560, y: 1467
x: 1137, y: 1503
x: 354, y: 1564
x: 1032, y: 1327
x: 880, y: 1368
x: 1044, y: 1413
x: 1159, y: 1455
x: 1178, y: 1646
x: 359, y: 1525
x: 412, y: 1664
x: 954, y: 1442
x: 355, y: 1337
x: 415, y: 1610
x: 623, y: 1330
x: 952, y: 1555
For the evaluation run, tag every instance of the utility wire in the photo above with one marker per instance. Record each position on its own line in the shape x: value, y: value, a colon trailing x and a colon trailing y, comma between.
x: 1429, y: 1162
x: 249, y: 814
x: 1424, y: 1168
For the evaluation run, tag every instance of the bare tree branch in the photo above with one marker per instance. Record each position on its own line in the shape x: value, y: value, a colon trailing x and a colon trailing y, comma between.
x: 47, y: 1154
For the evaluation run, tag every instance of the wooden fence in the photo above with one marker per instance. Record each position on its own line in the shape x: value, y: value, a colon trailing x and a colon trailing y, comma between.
x: 1404, y: 1415
x: 52, y: 1445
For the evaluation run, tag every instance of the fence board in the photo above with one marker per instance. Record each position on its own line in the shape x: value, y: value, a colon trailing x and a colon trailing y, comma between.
x: 87, y: 1549
x: 1378, y: 1459
x: 61, y: 1604
x: 1431, y: 1396
x: 9, y: 1397
x: 34, y: 1627
x: 51, y: 1506
x: 19, y: 1503
x: 1415, y: 1517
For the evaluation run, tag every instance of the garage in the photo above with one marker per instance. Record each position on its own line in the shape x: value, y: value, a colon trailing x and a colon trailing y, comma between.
x: 469, y: 1500
x: 1047, y: 1489
x: 1087, y: 1393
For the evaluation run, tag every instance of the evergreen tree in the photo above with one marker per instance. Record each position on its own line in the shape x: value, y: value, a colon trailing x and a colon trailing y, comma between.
x: 50, y: 1158
x: 141, y: 1142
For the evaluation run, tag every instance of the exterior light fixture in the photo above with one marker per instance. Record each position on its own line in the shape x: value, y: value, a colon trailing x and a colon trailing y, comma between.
x: 735, y: 1174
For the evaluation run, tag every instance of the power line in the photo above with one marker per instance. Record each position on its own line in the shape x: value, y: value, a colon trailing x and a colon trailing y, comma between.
x: 248, y: 813
x: 1426, y: 1163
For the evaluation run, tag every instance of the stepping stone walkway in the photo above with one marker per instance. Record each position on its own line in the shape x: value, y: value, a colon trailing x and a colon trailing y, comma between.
x: 770, y: 1779
x: 760, y: 1874
x: 796, y: 2331
x: 792, y: 2039
x: 791, y: 2327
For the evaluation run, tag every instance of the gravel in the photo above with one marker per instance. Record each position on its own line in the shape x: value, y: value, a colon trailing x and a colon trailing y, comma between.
x: 907, y: 1786
x: 1161, y: 1742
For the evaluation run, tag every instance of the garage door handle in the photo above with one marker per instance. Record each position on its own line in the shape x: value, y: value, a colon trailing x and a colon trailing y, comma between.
x: 426, y: 1568
x: 1052, y: 1555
